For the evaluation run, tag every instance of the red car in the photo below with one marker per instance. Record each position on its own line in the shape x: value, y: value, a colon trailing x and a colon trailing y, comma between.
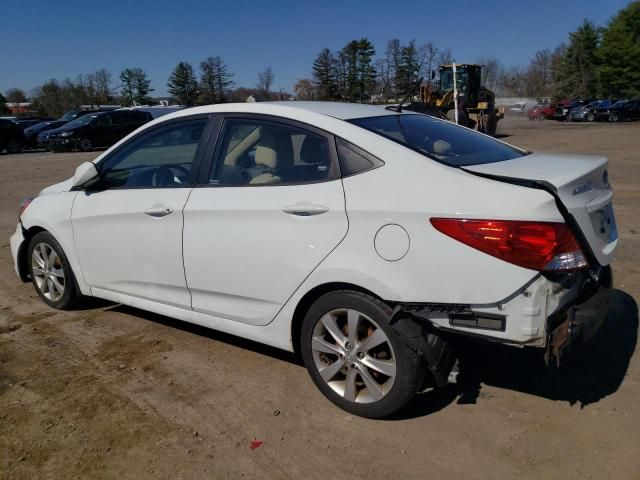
x: 542, y: 112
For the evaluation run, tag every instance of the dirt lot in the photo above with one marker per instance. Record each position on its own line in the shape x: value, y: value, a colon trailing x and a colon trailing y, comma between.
x: 112, y: 392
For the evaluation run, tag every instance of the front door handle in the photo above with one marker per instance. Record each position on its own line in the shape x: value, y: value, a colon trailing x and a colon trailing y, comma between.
x: 305, y: 209
x: 158, y: 211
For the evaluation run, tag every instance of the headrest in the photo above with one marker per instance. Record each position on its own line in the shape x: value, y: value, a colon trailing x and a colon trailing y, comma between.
x: 314, y: 150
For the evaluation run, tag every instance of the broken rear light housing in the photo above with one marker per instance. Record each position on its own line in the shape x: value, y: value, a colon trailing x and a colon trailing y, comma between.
x: 542, y: 246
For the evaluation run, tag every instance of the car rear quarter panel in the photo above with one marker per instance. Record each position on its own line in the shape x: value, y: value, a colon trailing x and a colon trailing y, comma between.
x: 409, y: 190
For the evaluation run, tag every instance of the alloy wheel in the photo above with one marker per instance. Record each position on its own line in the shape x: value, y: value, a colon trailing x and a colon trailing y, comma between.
x: 85, y: 144
x: 48, y: 272
x: 353, y: 355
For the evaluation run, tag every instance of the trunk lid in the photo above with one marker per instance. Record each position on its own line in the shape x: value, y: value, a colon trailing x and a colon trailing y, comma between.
x: 579, y: 182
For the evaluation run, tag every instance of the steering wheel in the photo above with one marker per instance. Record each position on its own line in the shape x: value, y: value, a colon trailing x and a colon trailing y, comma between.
x: 164, y: 176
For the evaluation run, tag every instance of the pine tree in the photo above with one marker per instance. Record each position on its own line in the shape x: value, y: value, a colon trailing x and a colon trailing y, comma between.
x: 365, y: 70
x: 408, y: 69
x: 324, y: 75
x: 215, y: 80
x: 182, y: 84
x: 135, y: 88
x: 619, y: 54
x: 577, y: 75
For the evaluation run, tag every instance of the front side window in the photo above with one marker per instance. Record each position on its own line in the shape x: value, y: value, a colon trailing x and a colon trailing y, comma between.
x: 163, y: 158
x: 440, y: 140
x: 261, y: 153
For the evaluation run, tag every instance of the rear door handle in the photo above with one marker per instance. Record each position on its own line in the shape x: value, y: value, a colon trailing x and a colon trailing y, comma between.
x: 158, y: 211
x: 305, y: 209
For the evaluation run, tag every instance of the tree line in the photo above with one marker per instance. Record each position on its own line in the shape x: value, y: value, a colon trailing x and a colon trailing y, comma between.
x: 213, y: 83
x: 354, y: 74
x: 596, y: 62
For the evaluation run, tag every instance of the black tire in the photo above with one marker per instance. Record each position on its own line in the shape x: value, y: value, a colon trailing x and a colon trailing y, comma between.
x: 14, y: 146
x: 70, y: 297
x: 614, y: 117
x: 405, y: 338
x: 590, y: 117
x: 491, y: 124
x: 85, y: 145
x: 462, y: 117
x: 541, y: 117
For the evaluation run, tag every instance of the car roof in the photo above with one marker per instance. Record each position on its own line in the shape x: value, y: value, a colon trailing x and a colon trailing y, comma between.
x: 343, y: 111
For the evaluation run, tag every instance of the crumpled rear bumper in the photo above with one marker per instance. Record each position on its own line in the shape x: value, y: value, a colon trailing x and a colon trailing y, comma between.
x: 581, y: 319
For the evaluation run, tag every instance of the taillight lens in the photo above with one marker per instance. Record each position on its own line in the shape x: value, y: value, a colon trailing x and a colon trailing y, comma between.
x: 23, y: 205
x: 536, y: 245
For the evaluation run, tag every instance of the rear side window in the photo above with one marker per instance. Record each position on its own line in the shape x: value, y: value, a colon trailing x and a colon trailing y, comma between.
x: 118, y: 118
x: 140, y: 117
x: 353, y: 159
x: 440, y: 140
x: 256, y: 152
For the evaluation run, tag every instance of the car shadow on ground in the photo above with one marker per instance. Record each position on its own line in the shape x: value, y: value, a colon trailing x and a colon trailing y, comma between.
x: 209, y: 333
x: 585, y: 376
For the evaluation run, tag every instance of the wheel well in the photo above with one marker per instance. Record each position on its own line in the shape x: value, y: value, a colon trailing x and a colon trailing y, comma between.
x: 309, y: 298
x: 23, y: 265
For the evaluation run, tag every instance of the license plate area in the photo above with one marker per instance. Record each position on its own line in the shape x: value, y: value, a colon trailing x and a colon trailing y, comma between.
x: 604, y: 223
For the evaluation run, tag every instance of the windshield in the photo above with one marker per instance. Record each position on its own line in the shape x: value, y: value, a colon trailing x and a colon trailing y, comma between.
x: 441, y: 140
x: 84, y: 120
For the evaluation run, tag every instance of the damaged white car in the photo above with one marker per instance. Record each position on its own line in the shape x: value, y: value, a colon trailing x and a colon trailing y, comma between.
x: 364, y: 238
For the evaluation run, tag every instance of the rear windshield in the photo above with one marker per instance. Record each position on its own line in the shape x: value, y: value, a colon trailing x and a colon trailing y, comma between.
x: 441, y: 140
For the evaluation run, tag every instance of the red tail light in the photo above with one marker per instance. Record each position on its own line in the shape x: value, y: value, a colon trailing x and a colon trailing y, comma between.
x: 24, y: 204
x: 535, y: 245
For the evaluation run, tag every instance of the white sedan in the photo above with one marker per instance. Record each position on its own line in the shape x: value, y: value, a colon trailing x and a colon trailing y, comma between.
x: 366, y: 239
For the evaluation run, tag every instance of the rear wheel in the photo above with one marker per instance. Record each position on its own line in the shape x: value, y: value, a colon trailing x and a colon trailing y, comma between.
x: 51, y: 273
x: 14, y: 146
x: 356, y: 359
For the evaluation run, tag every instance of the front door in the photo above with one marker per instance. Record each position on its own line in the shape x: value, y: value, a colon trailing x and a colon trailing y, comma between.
x: 272, y: 210
x: 128, y: 228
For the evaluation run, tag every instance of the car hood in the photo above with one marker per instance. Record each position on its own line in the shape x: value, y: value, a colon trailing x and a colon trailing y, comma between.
x: 58, y: 187
x: 579, y: 182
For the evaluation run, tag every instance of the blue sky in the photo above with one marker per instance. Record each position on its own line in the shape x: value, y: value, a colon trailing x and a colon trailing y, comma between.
x: 42, y: 39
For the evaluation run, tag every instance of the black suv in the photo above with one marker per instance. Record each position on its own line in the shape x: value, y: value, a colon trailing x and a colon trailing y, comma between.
x: 629, y: 110
x: 11, y: 136
x: 101, y: 129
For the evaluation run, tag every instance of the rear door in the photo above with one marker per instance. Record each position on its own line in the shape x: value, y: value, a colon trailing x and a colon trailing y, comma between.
x: 269, y: 210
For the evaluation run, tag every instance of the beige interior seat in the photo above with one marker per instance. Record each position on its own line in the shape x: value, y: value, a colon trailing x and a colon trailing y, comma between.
x: 274, y: 153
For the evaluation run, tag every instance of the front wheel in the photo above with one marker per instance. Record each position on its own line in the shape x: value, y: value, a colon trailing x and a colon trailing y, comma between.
x: 356, y: 358
x: 614, y: 117
x: 590, y: 117
x: 51, y: 273
x: 85, y: 145
x: 541, y: 117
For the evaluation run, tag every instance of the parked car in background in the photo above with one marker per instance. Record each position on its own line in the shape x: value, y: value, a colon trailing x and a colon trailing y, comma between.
x: 11, y: 136
x: 31, y: 133
x: 562, y: 109
x: 101, y: 129
x: 375, y: 291
x: 587, y: 113
x: 541, y: 112
x: 628, y: 111
x: 602, y: 112
x: 29, y: 122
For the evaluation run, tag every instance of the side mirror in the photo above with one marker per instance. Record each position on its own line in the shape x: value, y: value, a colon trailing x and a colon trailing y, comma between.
x: 86, y: 174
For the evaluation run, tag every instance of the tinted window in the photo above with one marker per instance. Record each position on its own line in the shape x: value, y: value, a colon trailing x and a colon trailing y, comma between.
x: 441, y: 140
x: 118, y: 118
x: 353, y: 159
x: 140, y: 117
x: 160, y: 159
x: 260, y: 153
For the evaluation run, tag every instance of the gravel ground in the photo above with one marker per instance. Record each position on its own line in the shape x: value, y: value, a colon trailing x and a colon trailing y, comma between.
x: 114, y: 392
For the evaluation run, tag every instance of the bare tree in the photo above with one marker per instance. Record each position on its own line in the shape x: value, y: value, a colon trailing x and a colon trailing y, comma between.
x: 15, y: 95
x: 265, y: 81
x: 429, y: 53
x: 304, y: 89
x: 491, y: 71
